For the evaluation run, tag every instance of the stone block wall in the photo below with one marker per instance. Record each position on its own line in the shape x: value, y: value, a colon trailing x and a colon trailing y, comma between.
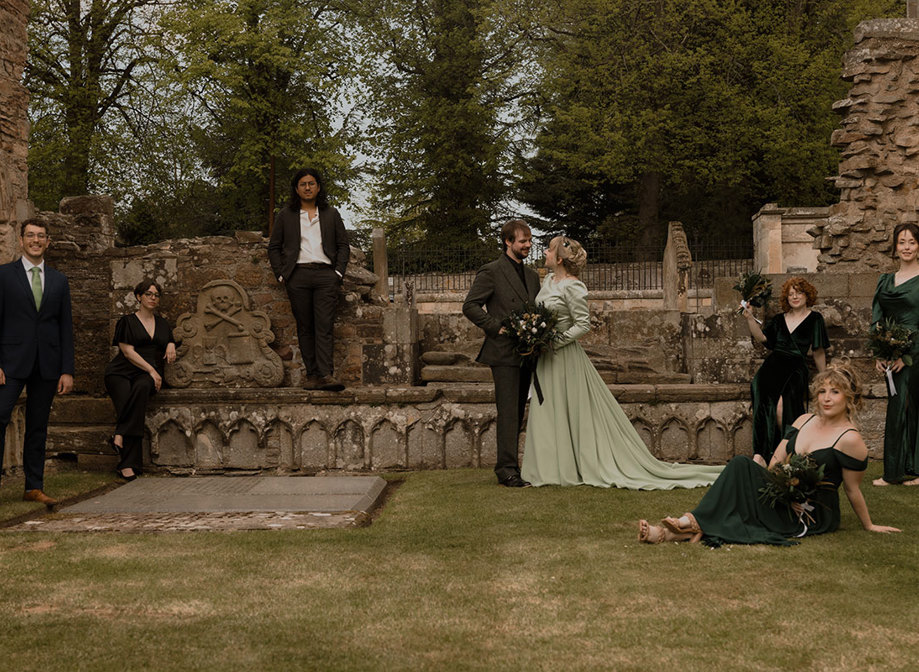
x: 291, y: 431
x: 14, y: 126
x: 879, y: 142
x: 782, y: 242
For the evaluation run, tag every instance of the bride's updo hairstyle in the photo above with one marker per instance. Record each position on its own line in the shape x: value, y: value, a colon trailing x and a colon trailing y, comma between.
x: 569, y: 253
x: 841, y: 376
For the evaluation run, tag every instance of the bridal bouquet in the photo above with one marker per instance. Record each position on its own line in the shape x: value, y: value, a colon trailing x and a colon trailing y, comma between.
x: 755, y: 289
x: 532, y: 329
x: 793, y: 481
x: 889, y: 341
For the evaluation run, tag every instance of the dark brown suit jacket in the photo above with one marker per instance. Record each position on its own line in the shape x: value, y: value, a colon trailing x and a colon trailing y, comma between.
x: 495, y: 293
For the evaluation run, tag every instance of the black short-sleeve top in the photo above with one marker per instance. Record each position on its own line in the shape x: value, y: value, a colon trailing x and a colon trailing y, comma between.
x: 131, y: 331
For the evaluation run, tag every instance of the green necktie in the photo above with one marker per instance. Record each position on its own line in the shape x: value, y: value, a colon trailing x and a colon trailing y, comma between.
x: 36, y: 285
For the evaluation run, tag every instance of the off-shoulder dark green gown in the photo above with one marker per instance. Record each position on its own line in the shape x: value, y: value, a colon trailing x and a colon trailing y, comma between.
x: 783, y: 374
x: 731, y: 512
x: 901, y: 443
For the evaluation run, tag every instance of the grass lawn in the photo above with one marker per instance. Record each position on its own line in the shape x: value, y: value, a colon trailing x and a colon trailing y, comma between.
x: 459, y: 574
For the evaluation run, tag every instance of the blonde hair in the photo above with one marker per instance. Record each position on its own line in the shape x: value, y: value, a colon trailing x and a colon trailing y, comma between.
x: 842, y: 376
x: 569, y: 253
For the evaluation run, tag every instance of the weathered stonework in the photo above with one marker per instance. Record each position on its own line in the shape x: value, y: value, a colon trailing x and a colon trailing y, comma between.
x: 286, y: 430
x: 224, y: 343
x: 879, y: 141
x: 14, y: 126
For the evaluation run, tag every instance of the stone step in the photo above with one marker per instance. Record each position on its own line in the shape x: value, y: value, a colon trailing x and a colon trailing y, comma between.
x: 455, y: 374
x: 480, y: 374
x: 88, y: 439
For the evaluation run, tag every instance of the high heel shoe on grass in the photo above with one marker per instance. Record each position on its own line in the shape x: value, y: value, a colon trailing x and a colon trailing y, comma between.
x: 693, y: 529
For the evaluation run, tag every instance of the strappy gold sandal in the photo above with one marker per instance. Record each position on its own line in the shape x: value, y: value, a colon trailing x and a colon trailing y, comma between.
x: 673, y: 524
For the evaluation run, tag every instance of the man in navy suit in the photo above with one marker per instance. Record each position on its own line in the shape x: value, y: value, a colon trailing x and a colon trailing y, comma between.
x: 309, y: 253
x: 36, y: 348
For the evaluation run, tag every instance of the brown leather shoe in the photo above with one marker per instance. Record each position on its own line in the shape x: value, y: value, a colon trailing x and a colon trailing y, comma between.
x: 38, y: 496
x: 311, y: 383
x: 330, y: 384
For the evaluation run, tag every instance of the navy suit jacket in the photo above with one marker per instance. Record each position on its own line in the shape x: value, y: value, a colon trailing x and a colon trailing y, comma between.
x: 284, y: 245
x: 27, y: 333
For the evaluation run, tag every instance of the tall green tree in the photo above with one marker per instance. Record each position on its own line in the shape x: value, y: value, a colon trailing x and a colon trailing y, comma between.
x: 84, y: 59
x: 699, y: 110
x: 270, y: 85
x: 445, y: 82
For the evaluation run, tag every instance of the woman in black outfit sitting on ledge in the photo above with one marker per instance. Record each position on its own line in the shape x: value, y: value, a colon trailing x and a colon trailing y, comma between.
x: 144, y: 342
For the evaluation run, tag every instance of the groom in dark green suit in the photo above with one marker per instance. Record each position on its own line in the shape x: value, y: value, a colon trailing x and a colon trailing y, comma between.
x: 501, y: 287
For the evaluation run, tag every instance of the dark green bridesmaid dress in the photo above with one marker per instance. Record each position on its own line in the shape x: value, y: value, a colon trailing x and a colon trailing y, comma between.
x: 901, y: 448
x: 731, y: 512
x: 783, y: 374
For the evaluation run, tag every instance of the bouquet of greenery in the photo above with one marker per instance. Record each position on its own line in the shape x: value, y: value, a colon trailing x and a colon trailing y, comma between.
x: 793, y: 481
x: 755, y: 289
x: 533, y: 330
x: 889, y: 341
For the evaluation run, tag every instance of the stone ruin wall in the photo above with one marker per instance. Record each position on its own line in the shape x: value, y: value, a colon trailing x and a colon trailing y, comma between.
x: 879, y: 143
x: 14, y: 126
x: 373, y: 344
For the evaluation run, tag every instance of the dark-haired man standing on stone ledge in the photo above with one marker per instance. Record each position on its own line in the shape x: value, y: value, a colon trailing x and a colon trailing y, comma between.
x: 36, y: 348
x: 309, y: 253
x: 501, y: 287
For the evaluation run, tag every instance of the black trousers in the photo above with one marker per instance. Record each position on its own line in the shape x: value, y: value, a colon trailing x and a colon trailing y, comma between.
x: 130, y: 395
x: 512, y: 383
x: 39, y: 395
x: 313, y: 294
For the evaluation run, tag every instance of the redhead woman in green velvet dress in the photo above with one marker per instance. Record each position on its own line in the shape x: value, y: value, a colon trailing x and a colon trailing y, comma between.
x: 897, y: 297
x: 779, y: 389
x: 732, y: 512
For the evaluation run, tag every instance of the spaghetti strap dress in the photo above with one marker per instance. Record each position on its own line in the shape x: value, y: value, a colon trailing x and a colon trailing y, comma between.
x: 731, y: 512
x: 783, y: 375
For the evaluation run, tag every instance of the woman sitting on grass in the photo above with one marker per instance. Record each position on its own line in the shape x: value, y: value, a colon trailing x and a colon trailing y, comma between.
x: 732, y: 511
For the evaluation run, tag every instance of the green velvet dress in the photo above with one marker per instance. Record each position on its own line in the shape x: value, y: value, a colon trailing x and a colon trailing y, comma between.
x: 901, y: 447
x: 783, y: 374
x: 580, y: 434
x: 731, y: 512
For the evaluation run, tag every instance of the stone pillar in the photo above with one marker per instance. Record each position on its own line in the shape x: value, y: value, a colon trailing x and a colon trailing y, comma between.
x: 912, y: 9
x: 767, y: 239
x: 380, y: 263
x: 676, y: 266
x: 14, y: 126
x: 80, y: 236
x: 879, y: 142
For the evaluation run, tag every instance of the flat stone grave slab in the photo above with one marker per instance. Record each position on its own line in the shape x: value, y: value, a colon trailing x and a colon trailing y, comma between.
x: 221, y: 503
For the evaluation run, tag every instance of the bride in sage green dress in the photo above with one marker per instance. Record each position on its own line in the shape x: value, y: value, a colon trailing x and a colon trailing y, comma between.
x: 732, y: 511
x: 897, y: 297
x: 579, y: 435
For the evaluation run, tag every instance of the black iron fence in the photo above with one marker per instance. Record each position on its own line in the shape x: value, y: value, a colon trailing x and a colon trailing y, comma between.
x: 609, y: 267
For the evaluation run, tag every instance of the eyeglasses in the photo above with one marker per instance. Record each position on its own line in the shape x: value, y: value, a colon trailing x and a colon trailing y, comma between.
x: 151, y: 295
